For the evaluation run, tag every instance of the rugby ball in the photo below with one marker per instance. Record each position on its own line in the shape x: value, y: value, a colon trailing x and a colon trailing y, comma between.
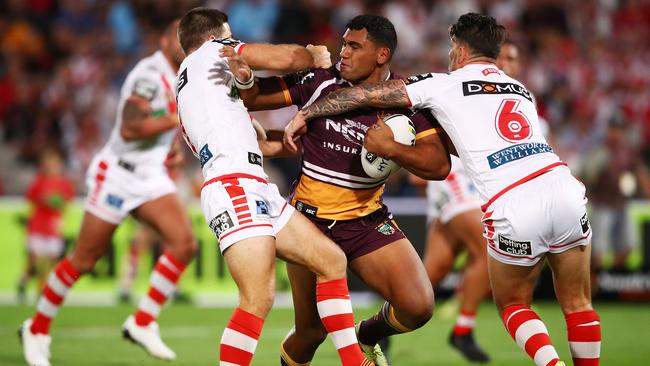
x: 403, y: 132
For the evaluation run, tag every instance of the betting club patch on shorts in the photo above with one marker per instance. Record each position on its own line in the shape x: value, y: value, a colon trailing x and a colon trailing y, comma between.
x: 221, y: 223
x: 584, y: 223
x: 386, y: 228
x: 515, y: 247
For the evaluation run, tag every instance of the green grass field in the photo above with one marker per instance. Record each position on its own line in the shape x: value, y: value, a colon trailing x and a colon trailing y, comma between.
x: 91, y: 336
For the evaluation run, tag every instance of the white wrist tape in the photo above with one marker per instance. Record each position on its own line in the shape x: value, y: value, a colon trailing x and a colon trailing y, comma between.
x: 247, y: 84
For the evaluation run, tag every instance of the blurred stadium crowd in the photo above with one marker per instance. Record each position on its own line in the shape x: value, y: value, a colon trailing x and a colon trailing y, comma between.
x: 588, y: 62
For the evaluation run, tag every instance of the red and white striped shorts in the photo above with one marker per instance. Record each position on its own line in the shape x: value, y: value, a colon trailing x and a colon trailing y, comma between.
x: 240, y: 206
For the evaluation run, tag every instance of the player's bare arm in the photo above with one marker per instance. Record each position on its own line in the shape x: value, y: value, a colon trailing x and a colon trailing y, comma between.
x: 428, y: 158
x: 272, y: 146
x: 139, y: 123
x: 175, y: 157
x: 270, y: 92
x: 385, y: 94
x: 284, y: 57
x: 265, y: 94
x: 270, y: 142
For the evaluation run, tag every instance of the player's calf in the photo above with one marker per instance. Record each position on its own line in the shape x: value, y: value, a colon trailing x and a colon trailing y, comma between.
x: 583, y: 330
x: 530, y: 333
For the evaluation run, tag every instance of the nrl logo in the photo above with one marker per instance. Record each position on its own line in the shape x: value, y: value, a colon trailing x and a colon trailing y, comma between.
x: 352, y: 131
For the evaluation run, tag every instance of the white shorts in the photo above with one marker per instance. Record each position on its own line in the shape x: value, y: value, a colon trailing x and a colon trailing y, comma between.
x: 50, y: 246
x: 116, y: 188
x: 545, y: 214
x: 238, y: 207
x: 451, y: 197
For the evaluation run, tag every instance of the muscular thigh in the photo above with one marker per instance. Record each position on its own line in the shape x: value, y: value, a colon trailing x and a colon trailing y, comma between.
x: 168, y: 216
x: 251, y: 263
x: 93, y: 241
x: 512, y: 284
x: 395, y: 271
x: 301, y: 242
x: 466, y: 228
x: 571, y: 277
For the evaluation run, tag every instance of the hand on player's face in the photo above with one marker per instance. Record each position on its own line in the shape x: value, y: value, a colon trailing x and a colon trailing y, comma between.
x: 292, y: 132
x: 238, y: 66
x: 379, y: 139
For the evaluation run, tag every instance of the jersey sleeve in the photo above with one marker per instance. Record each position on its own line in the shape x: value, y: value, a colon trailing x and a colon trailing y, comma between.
x: 425, y: 124
x: 146, y: 85
x: 420, y: 90
x: 301, y: 86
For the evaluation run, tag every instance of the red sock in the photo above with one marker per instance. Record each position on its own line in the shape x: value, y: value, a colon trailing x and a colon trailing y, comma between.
x: 583, y: 329
x: 239, y: 339
x: 58, y: 283
x: 464, y: 323
x: 162, y: 285
x: 530, y: 333
x: 335, y: 310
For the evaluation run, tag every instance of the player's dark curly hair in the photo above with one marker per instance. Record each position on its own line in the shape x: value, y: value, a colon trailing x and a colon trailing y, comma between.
x: 480, y: 32
x: 198, y: 24
x: 380, y: 30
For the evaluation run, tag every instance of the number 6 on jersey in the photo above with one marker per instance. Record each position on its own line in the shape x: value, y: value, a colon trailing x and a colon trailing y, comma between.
x: 512, y: 125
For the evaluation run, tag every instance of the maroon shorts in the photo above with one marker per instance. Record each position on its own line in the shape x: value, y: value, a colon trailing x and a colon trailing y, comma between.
x: 363, y: 235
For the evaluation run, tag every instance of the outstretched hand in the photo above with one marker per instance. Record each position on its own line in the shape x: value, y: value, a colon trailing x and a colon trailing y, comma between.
x: 292, y: 132
x: 238, y: 66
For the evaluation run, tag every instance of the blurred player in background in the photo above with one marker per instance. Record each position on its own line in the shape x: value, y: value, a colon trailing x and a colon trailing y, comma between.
x: 454, y: 217
x: 48, y: 194
x: 253, y: 223
x: 146, y: 238
x: 128, y: 176
x: 534, y: 208
x: 344, y: 202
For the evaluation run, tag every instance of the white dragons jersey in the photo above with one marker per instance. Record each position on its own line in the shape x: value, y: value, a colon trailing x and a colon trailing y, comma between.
x: 492, y: 120
x: 214, y: 121
x: 152, y: 79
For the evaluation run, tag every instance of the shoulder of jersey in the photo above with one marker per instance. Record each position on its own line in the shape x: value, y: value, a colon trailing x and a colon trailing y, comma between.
x: 314, y: 76
x: 421, y: 77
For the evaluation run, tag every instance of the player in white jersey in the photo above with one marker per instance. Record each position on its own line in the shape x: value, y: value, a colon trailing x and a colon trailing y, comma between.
x: 128, y: 176
x: 253, y: 223
x: 454, y: 217
x: 534, y: 208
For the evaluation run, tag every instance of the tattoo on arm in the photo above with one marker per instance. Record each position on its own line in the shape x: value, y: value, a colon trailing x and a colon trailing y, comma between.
x: 134, y: 111
x: 384, y: 94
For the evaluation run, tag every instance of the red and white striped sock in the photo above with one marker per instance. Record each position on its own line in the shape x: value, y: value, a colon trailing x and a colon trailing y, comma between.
x: 239, y: 339
x: 530, y: 333
x: 583, y: 329
x: 162, y: 285
x: 465, y: 323
x: 58, y: 284
x: 335, y: 311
